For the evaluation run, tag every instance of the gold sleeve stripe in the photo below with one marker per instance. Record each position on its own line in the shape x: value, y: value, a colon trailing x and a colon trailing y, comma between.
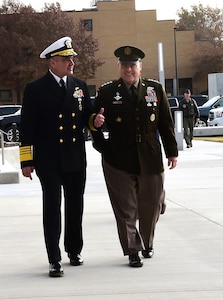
x: 91, y: 122
x: 25, y: 153
x: 67, y: 52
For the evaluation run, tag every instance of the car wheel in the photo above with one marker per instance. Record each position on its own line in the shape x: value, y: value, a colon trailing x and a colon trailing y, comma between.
x: 201, y: 123
x: 12, y: 134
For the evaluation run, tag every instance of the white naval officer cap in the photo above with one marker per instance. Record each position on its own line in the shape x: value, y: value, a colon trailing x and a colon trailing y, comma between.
x: 61, y: 47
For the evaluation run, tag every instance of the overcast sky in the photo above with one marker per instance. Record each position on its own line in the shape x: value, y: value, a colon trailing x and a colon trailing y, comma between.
x: 165, y: 9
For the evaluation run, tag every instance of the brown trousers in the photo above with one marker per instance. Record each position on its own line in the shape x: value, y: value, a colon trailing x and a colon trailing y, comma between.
x: 134, y: 197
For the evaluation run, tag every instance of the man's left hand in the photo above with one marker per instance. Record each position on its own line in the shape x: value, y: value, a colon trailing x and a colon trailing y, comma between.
x: 99, y: 119
x: 172, y: 162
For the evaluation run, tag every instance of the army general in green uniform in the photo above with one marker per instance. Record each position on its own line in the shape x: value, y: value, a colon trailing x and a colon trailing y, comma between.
x: 137, y: 118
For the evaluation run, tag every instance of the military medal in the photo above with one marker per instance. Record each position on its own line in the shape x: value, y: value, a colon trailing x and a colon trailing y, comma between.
x: 78, y: 94
x: 80, y: 104
x: 118, y: 119
x: 152, y: 117
x: 151, y: 98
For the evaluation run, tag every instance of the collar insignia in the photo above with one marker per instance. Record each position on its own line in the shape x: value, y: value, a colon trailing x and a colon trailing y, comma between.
x: 117, y: 97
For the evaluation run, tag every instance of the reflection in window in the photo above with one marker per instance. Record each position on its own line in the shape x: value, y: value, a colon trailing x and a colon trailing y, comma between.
x: 88, y: 25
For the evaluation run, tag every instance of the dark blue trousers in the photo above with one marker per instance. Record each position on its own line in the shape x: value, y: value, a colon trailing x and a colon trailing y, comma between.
x: 73, y: 185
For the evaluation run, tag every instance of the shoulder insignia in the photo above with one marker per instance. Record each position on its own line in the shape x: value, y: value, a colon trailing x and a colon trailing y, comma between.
x: 107, y: 83
x: 148, y: 79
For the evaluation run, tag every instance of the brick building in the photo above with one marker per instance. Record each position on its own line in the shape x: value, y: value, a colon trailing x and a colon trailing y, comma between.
x: 117, y: 23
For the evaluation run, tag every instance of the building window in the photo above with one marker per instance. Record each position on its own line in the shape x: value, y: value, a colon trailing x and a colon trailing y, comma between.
x: 185, y: 83
x: 88, y: 25
x: 92, y: 90
x: 169, y: 87
x: 5, y: 96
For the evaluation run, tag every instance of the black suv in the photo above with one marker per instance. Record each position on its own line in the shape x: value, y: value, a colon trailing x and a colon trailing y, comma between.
x: 8, y: 109
x: 10, y: 125
x: 174, y: 104
x: 9, y: 122
x: 175, y: 100
x: 200, y: 99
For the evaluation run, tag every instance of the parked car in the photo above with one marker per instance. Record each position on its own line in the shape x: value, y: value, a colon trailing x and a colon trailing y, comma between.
x: 10, y: 124
x: 9, y: 109
x: 204, y: 110
x: 215, y: 117
x: 200, y: 99
x: 174, y: 105
x: 175, y: 100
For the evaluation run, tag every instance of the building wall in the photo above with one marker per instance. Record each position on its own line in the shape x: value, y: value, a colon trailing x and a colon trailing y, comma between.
x: 117, y: 23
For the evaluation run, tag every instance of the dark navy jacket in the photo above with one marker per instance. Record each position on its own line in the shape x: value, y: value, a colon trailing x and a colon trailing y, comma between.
x: 53, y: 124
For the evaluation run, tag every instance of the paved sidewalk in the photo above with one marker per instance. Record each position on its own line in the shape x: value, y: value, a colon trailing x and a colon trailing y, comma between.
x: 188, y: 260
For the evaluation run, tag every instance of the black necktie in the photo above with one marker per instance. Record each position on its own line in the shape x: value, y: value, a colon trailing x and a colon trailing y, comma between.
x: 62, y: 85
x: 134, y: 92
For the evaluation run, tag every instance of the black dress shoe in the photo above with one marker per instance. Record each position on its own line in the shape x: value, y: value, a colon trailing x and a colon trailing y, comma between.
x: 75, y: 259
x: 135, y: 260
x: 55, y: 269
x: 148, y: 253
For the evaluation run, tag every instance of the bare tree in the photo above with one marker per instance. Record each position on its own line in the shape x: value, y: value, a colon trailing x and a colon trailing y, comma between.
x: 207, y: 24
x: 24, y: 33
x: 86, y: 47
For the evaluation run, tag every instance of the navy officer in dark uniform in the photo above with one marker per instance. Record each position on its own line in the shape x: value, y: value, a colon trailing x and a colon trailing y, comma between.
x: 137, y: 117
x: 55, y: 109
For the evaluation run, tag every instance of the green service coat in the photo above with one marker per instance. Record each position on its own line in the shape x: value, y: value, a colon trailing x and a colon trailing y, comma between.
x: 135, y: 128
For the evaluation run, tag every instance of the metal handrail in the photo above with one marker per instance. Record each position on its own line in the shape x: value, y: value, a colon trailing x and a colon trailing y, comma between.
x: 2, y: 146
x: 2, y: 133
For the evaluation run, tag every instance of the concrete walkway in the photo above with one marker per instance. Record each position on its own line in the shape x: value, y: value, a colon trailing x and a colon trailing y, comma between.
x: 188, y: 260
